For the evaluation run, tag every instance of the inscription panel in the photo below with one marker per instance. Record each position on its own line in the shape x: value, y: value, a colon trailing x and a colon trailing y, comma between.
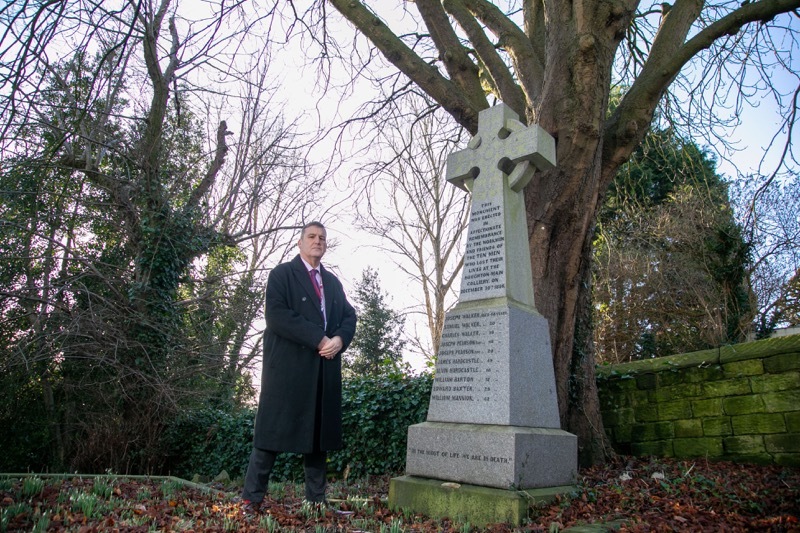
x: 471, y: 383
x: 484, y: 274
x: 489, y: 455
x: 461, y: 456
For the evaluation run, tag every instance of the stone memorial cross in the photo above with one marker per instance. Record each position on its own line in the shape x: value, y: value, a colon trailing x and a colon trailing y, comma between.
x: 497, y: 164
x: 493, y: 415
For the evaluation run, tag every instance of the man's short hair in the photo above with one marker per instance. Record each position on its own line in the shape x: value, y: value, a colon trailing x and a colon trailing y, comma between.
x: 313, y: 223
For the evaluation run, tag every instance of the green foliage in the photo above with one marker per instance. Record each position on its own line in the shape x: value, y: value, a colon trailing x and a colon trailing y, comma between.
x: 31, y: 486
x: 377, y: 347
x: 97, y: 344
x: 206, y: 441
x: 28, y: 447
x: 376, y: 414
x: 671, y: 264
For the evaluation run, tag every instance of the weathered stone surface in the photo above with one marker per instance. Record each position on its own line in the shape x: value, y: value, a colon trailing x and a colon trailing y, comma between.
x: 700, y: 447
x: 476, y: 505
x: 495, y: 366
x: 647, y: 382
x: 783, y: 443
x: 729, y: 387
x: 622, y: 434
x: 675, y: 410
x: 793, y: 422
x: 758, y: 424
x: 705, y: 374
x: 493, y: 416
x: 689, y: 428
x: 787, y: 459
x: 620, y: 416
x: 661, y: 448
x: 749, y: 367
x: 655, y: 431
x: 705, y: 408
x: 775, y: 382
x: 755, y: 415
x: 647, y: 412
x: 718, y: 426
x: 743, y: 405
x: 675, y: 392
x: 782, y: 362
x: 490, y: 455
x: 785, y: 401
x: 745, y: 444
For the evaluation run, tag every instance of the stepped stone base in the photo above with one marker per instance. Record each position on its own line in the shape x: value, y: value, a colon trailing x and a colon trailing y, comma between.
x: 464, y: 503
x: 503, y: 457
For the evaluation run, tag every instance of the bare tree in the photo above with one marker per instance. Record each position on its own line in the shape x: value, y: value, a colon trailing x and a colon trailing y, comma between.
x: 421, y: 219
x: 554, y: 63
x: 140, y: 261
x: 768, y: 208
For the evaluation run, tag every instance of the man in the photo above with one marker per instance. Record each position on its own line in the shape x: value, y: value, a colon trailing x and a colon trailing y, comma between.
x: 309, y: 324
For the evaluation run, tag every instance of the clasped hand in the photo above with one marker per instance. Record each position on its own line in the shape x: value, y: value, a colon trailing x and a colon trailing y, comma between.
x: 328, y: 348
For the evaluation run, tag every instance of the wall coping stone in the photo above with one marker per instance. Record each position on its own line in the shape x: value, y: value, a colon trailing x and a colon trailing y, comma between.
x: 724, y: 354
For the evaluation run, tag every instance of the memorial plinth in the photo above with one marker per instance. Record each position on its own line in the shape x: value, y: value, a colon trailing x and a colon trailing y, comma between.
x: 493, y: 416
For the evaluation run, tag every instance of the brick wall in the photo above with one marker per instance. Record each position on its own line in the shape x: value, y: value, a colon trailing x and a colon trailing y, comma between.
x: 738, y: 403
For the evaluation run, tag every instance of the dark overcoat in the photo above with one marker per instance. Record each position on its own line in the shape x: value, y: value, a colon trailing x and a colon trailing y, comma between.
x: 291, y: 391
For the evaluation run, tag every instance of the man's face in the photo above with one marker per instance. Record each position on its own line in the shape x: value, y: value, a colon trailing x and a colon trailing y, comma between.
x: 312, y: 244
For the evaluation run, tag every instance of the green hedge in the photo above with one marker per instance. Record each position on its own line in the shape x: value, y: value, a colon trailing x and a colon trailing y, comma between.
x: 376, y: 414
x: 208, y: 441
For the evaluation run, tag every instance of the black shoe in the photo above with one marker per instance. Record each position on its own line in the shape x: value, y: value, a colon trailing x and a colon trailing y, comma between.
x: 250, y: 508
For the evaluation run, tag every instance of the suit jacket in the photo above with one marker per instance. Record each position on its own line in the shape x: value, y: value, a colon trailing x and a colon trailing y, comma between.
x: 297, y: 384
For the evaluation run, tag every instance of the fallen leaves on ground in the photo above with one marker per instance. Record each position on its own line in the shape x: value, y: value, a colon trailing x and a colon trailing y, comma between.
x: 670, y: 495
x: 633, y: 495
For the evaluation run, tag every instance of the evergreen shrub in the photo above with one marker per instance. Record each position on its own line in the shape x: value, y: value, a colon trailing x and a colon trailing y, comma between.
x: 376, y: 413
x: 207, y: 441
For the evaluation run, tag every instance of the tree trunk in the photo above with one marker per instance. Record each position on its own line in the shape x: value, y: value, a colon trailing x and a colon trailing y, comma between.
x: 561, y: 206
x: 560, y: 253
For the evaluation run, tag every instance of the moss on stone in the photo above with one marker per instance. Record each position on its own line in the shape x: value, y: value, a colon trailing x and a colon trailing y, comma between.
x: 760, y: 424
x: 618, y: 417
x: 651, y: 432
x: 792, y: 422
x: 647, y: 381
x: 718, y: 426
x: 782, y: 362
x: 688, y: 428
x: 775, y: 382
x: 726, y: 403
x: 744, y: 444
x: 704, y: 408
x: 675, y: 410
x: 787, y: 459
x: 647, y: 413
x: 781, y: 402
x: 661, y: 448
x: 783, y: 443
x: 728, y: 387
x: 697, y: 447
x: 748, y: 367
x: 743, y: 405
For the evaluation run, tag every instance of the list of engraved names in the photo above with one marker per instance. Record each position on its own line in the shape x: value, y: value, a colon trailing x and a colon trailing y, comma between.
x: 467, y: 366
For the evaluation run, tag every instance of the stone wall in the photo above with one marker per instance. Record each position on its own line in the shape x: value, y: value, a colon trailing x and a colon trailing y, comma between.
x: 738, y: 403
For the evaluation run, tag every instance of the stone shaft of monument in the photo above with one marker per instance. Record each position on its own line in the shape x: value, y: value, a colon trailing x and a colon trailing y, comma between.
x: 493, y: 414
x: 494, y: 364
x: 498, y: 162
